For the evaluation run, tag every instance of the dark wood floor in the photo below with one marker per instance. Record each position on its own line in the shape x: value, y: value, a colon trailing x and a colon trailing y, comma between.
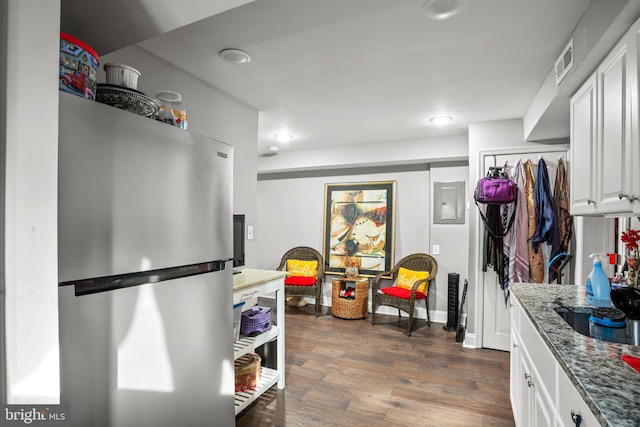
x: 351, y: 373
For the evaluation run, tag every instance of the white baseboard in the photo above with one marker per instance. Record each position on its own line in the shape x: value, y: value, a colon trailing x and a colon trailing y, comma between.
x: 470, y: 341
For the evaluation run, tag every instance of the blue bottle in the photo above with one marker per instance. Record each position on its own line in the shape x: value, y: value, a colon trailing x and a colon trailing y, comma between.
x: 598, y: 286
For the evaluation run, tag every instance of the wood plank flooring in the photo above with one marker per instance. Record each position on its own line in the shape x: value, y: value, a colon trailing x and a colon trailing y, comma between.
x: 351, y: 373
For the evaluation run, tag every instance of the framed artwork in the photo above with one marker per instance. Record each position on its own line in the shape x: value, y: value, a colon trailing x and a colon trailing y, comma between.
x: 359, y: 227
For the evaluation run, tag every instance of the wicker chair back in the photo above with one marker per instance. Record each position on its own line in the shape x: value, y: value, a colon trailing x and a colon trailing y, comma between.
x: 305, y: 253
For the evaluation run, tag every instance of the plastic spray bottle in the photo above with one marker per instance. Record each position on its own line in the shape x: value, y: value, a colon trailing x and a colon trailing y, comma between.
x: 598, y: 286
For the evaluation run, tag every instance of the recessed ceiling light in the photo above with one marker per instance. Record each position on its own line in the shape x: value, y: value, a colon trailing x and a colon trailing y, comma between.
x: 442, y: 9
x: 441, y: 120
x: 283, y: 137
x: 235, y: 56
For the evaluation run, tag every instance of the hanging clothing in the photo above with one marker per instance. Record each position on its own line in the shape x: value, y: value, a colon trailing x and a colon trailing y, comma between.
x: 546, y: 220
x: 507, y: 212
x: 536, y: 268
x: 561, y: 201
x: 493, y: 256
x: 517, y: 238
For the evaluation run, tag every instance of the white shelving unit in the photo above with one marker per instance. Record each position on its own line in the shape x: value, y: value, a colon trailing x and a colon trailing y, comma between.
x: 248, y: 285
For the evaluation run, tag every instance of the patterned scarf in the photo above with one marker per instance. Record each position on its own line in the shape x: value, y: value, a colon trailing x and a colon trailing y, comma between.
x: 561, y: 201
x: 517, y: 239
x: 536, y: 268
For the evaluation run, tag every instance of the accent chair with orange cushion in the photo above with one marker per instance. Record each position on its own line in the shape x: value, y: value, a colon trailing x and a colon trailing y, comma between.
x: 305, y: 266
x: 410, y: 279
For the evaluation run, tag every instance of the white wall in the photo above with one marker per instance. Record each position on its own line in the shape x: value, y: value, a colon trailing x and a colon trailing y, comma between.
x: 453, y: 239
x: 29, y: 98
x: 212, y: 113
x: 291, y: 213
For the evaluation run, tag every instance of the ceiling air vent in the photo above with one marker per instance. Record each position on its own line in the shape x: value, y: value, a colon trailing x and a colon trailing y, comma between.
x: 564, y: 62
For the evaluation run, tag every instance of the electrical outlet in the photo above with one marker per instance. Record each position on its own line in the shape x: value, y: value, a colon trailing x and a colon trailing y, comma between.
x: 436, y: 249
x: 249, y: 232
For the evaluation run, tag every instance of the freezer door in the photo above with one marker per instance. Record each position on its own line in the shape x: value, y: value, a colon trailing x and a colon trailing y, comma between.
x: 136, y: 194
x: 155, y: 355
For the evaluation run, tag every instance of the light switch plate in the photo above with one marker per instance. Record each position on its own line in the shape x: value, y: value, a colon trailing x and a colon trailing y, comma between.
x: 249, y: 232
x: 436, y: 249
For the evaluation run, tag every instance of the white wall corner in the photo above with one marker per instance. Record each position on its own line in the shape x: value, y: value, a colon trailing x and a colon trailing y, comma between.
x: 30, y: 283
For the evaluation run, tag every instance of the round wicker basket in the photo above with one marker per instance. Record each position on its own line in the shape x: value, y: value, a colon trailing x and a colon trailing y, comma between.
x: 350, y: 308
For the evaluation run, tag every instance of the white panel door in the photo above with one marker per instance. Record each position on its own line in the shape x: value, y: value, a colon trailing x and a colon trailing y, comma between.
x: 496, y: 329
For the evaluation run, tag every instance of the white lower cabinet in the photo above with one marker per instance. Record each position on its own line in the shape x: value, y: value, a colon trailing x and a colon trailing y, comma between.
x: 541, y: 393
x: 543, y: 410
x: 530, y: 400
x: 571, y: 406
x: 515, y: 377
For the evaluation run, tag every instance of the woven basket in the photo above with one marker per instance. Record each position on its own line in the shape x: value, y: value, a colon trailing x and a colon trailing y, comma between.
x: 347, y: 308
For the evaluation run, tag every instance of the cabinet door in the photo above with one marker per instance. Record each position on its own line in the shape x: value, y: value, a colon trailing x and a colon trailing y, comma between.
x: 614, y: 132
x: 634, y: 87
x: 583, y: 148
x: 514, y: 375
x: 570, y: 404
x: 543, y: 410
x: 525, y: 413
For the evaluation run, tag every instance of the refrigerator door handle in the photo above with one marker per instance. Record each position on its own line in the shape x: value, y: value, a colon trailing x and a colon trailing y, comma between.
x: 119, y: 281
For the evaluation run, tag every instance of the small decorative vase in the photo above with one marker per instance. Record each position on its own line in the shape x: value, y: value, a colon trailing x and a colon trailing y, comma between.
x: 351, y: 272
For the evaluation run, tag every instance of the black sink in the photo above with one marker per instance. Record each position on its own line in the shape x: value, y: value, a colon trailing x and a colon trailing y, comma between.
x: 578, y: 319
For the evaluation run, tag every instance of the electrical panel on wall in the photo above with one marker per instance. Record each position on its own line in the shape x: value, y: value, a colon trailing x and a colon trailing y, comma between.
x: 564, y: 62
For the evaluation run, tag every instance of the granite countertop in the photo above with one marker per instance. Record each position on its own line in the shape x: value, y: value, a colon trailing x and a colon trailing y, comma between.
x: 609, y: 386
x: 250, y: 277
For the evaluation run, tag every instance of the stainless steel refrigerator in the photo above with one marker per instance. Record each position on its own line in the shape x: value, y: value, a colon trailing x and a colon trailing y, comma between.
x: 145, y: 296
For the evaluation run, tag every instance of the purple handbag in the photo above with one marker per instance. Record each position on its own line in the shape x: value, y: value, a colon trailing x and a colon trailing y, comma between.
x: 255, y: 321
x: 495, y: 190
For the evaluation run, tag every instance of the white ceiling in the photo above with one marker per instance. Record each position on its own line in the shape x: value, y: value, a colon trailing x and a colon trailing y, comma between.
x: 334, y: 72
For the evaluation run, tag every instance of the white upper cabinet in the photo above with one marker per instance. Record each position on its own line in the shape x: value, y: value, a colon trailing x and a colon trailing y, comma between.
x: 634, y: 87
x: 604, y: 134
x: 583, y: 148
x: 613, y: 157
